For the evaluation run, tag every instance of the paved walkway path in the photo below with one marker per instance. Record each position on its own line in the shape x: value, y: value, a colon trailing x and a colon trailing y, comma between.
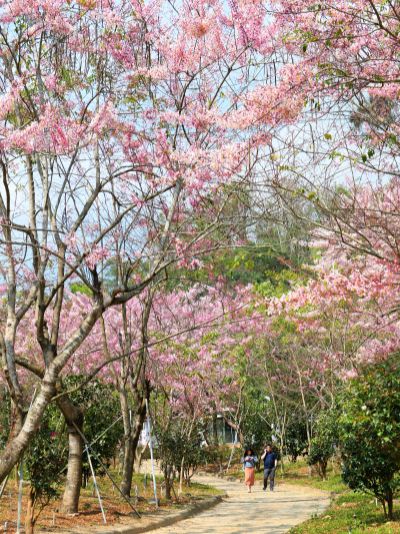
x: 256, y: 513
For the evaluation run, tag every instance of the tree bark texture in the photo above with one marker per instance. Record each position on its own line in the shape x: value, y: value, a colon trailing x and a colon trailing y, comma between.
x: 74, y: 419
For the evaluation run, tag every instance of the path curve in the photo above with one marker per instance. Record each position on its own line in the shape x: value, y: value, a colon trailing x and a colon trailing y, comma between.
x: 256, y: 513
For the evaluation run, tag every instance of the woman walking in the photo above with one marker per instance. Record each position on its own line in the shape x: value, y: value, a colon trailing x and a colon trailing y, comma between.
x: 249, y: 461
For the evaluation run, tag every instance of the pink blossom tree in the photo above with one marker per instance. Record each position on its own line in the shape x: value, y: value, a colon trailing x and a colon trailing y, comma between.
x: 350, y: 306
x: 118, y: 122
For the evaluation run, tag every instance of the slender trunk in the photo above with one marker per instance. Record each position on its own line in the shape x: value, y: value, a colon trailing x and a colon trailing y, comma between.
x: 139, y: 457
x: 127, y: 466
x: 282, y: 442
x: 130, y: 445
x: 182, y: 469
x: 29, y: 518
x: 85, y: 477
x: 384, y: 507
x: 168, y: 478
x: 138, y: 425
x: 321, y: 468
x: 127, y: 469
x: 168, y: 488
x: 389, y: 499
x: 181, y: 476
x: 3, y: 487
x: 215, y: 428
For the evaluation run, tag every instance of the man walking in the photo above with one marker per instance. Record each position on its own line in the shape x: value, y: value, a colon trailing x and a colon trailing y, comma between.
x: 270, y: 462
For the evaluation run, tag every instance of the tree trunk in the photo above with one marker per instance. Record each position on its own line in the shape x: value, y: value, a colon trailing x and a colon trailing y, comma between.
x: 168, y: 479
x: 215, y: 429
x: 74, y: 420
x: 17, y: 445
x: 181, y: 473
x: 127, y: 469
x: 130, y: 446
x: 29, y: 518
x: 16, y: 421
x: 321, y: 467
x: 85, y: 477
x: 389, y: 499
x: 137, y: 428
x: 282, y: 442
x: 73, y: 481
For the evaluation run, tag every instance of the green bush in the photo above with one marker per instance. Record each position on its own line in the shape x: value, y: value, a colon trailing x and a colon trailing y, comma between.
x: 323, y: 443
x: 176, y: 448
x: 296, y: 437
x: 369, y: 432
x: 219, y: 455
x: 43, y: 462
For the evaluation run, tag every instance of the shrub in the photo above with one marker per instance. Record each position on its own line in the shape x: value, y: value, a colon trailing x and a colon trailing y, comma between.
x: 296, y: 437
x: 43, y: 459
x: 177, y: 448
x: 369, y: 432
x: 323, y: 443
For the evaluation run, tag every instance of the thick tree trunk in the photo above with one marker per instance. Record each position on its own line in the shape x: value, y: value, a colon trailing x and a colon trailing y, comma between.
x: 73, y: 481
x: 17, y: 445
x: 74, y: 420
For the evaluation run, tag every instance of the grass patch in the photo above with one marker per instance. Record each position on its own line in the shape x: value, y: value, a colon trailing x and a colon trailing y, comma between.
x: 204, y: 490
x: 350, y: 513
x: 299, y: 474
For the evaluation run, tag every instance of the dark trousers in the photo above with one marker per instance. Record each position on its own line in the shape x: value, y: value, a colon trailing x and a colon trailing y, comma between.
x: 269, y: 473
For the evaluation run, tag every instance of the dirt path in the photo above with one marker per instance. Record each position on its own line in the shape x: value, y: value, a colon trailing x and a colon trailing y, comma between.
x: 259, y: 512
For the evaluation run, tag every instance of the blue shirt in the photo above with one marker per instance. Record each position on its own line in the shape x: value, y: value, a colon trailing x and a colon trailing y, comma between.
x: 249, y: 461
x: 269, y: 460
